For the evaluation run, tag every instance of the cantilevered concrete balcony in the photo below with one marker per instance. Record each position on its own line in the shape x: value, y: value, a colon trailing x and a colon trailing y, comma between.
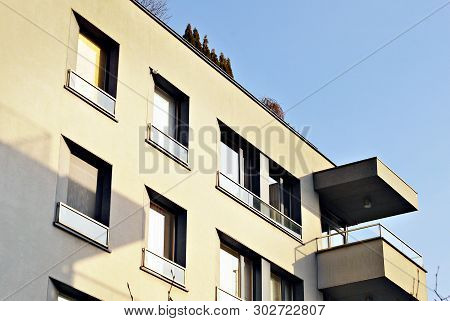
x: 364, y: 191
x: 369, y: 263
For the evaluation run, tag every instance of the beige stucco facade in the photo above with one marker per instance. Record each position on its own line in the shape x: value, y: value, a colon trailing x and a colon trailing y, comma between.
x: 36, y: 111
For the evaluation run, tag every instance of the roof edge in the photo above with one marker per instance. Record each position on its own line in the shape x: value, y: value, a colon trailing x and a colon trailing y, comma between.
x: 375, y: 158
x: 234, y: 82
x: 347, y: 164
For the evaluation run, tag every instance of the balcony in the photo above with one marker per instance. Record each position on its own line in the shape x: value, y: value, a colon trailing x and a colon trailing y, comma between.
x: 168, y: 145
x: 222, y: 295
x: 369, y: 263
x: 82, y: 225
x: 363, y: 191
x: 162, y: 267
x: 258, y: 206
x: 93, y: 95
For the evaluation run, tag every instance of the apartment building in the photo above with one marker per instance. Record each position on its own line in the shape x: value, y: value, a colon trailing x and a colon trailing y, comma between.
x: 131, y: 166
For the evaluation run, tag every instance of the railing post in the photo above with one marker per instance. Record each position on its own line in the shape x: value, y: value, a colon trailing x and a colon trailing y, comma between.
x: 396, y: 242
x: 346, y: 234
x: 149, y: 131
x: 253, y: 201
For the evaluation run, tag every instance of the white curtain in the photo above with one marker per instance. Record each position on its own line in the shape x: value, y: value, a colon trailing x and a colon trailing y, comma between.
x: 265, y: 179
x: 229, y: 162
x: 156, y: 232
x: 229, y: 272
x: 164, y: 117
x: 82, y: 186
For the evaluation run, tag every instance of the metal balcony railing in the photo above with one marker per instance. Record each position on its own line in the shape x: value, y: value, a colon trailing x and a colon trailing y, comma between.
x: 93, y: 94
x: 254, y: 202
x: 366, y: 233
x: 164, y: 267
x: 222, y: 295
x: 169, y: 144
x: 83, y: 225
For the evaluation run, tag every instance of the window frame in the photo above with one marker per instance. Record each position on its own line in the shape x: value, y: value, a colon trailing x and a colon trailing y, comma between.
x: 243, y: 254
x: 257, y: 266
x: 288, y: 187
x: 287, y: 279
x: 179, y: 238
x: 111, y: 48
x: 275, y: 278
x: 57, y: 288
x: 103, y: 193
x: 99, y: 67
x: 248, y: 160
x: 239, y: 280
x: 181, y: 124
x: 80, y: 86
x: 252, y: 162
x: 169, y: 232
x: 104, y: 181
x: 177, y: 106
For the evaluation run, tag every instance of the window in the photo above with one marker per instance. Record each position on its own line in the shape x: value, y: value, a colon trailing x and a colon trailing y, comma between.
x: 93, y: 70
x: 239, y: 160
x: 161, y: 232
x: 280, y: 289
x: 165, y: 252
x: 252, y: 178
x: 91, y: 61
x: 169, y: 128
x: 288, y: 291
x: 59, y: 291
x: 231, y: 167
x: 274, y: 193
x: 245, y: 275
x: 275, y: 287
x: 280, y: 189
x: 82, y: 188
x: 84, y: 194
x: 62, y: 297
x: 164, y: 113
x: 284, y: 286
x: 334, y: 231
x: 230, y: 272
x: 239, y: 166
x: 236, y: 274
x: 229, y: 162
x: 248, y: 279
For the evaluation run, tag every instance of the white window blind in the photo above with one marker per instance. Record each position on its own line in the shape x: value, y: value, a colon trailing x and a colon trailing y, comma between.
x: 164, y: 113
x: 82, y: 186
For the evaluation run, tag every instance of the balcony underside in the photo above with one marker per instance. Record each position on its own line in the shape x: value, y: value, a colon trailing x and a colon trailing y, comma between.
x: 346, y: 189
x: 379, y: 289
x: 370, y: 270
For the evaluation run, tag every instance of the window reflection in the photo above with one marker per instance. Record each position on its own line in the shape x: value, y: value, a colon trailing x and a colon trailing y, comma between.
x: 91, y: 61
x: 275, y: 287
x: 236, y: 273
x: 161, y: 232
x: 229, y: 271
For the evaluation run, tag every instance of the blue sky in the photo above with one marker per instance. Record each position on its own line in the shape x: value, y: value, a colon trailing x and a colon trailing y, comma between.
x: 395, y: 105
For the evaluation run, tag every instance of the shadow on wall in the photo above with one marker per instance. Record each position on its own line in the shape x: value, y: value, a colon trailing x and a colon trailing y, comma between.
x: 32, y: 249
x: 305, y: 258
x: 305, y: 263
